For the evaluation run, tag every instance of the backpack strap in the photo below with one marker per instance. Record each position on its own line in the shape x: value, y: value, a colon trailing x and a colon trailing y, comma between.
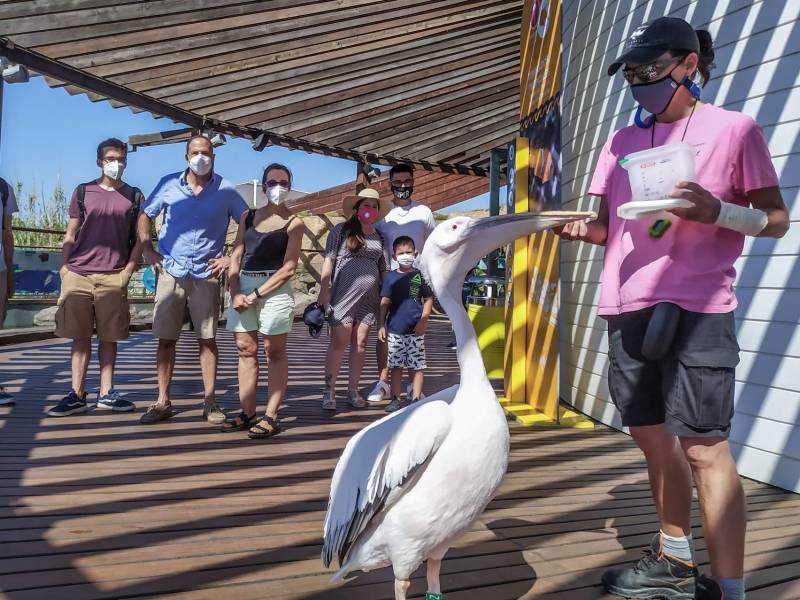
x: 81, y: 193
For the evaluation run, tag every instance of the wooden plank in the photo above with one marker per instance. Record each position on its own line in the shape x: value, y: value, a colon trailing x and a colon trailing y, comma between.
x: 97, y: 506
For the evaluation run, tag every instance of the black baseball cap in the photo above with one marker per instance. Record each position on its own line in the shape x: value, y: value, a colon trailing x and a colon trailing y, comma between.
x: 651, y: 40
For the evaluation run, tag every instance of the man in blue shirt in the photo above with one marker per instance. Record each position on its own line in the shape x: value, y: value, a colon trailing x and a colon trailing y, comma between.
x: 197, y: 205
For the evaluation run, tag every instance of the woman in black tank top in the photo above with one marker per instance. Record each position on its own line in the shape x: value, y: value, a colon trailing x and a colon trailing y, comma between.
x: 263, y: 262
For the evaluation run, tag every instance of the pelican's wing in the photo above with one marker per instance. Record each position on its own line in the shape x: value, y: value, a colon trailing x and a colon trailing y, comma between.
x: 376, y: 462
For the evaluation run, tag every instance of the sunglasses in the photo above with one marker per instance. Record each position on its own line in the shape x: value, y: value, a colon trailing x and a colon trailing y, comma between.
x: 274, y: 182
x: 648, y: 72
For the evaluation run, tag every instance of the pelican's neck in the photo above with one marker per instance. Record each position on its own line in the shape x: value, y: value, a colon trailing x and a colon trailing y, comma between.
x: 470, y: 360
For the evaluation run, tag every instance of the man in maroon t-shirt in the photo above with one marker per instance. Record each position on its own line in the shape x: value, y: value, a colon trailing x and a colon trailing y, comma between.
x: 98, y: 259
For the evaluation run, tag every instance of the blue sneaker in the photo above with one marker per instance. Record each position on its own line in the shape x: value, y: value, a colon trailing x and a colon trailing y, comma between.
x: 113, y: 401
x: 5, y: 398
x: 69, y: 405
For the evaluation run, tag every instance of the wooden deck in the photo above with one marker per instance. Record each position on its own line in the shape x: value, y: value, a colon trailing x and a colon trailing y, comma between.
x: 98, y: 506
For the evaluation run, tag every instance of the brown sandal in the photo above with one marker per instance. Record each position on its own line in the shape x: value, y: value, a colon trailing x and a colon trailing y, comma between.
x: 259, y: 432
x: 240, y: 423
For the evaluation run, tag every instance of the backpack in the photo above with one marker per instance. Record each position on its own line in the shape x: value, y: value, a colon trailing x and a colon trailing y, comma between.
x: 134, y: 196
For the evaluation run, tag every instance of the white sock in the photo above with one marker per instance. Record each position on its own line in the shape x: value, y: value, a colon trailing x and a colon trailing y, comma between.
x: 681, y: 548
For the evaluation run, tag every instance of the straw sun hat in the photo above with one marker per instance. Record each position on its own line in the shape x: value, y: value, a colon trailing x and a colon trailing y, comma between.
x: 350, y: 201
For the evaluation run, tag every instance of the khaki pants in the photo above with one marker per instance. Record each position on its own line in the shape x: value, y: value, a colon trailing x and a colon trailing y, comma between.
x: 96, y: 301
x: 173, y: 295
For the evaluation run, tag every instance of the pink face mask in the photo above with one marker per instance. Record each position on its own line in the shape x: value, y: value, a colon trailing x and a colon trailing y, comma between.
x: 367, y: 214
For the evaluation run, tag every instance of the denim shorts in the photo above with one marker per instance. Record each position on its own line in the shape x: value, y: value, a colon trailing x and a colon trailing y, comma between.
x: 691, y: 389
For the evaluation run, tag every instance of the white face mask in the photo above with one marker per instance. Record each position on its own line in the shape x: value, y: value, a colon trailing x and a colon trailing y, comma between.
x: 113, y: 169
x: 277, y: 194
x: 200, y: 164
x: 406, y: 259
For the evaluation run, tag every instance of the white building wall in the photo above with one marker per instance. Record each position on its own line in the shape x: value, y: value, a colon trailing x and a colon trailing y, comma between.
x: 758, y: 71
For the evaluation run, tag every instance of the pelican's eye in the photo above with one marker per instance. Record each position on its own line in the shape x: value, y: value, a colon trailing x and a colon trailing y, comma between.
x: 455, y: 226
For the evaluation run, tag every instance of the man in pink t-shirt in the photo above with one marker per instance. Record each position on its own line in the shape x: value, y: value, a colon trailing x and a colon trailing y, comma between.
x: 667, y: 294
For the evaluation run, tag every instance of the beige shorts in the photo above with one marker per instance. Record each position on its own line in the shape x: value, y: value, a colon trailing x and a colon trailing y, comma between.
x: 97, y: 301
x: 3, y: 293
x: 271, y: 315
x: 174, y: 295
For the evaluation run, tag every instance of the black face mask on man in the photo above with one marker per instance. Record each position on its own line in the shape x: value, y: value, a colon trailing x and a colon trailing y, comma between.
x: 402, y: 192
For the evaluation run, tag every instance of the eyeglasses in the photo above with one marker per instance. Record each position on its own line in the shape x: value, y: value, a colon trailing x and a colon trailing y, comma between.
x: 282, y: 183
x: 648, y: 72
x: 122, y: 161
x: 397, y: 182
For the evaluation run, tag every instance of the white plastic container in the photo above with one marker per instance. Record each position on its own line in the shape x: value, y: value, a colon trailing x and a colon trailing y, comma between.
x: 654, y: 173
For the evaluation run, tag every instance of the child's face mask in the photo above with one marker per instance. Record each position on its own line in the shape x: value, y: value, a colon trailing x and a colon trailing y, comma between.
x: 406, y: 259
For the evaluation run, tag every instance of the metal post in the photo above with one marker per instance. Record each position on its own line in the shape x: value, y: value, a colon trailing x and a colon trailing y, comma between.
x: 494, y: 182
x: 2, y: 83
x: 494, y: 203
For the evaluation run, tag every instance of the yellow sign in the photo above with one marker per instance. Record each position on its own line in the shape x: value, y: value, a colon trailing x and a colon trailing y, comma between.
x: 532, y: 346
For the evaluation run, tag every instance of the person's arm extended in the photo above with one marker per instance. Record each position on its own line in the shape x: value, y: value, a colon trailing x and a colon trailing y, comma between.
x: 290, y: 260
x: 383, y: 310
x: 239, y: 301
x: 69, y: 242
x: 325, y: 282
x: 593, y: 232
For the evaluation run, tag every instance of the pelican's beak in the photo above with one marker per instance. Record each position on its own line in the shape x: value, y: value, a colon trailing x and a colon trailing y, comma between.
x: 488, y: 234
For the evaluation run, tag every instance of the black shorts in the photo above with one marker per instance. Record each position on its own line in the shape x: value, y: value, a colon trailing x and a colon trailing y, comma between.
x: 690, y: 390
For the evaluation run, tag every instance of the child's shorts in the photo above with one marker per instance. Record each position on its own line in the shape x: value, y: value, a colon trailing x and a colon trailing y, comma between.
x: 407, y: 351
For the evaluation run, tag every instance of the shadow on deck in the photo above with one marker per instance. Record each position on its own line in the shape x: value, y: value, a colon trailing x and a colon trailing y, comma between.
x: 98, y: 506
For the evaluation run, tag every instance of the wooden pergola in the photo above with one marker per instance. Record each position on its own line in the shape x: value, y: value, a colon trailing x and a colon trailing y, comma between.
x: 431, y: 82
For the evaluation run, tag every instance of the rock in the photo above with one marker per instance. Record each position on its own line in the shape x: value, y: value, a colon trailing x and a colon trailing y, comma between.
x: 46, y: 317
x: 141, y: 314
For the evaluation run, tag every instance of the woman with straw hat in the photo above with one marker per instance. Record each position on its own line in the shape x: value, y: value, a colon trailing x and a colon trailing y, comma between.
x: 356, y: 259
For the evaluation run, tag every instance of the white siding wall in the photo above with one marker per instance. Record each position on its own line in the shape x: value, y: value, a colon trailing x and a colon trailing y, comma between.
x: 758, y: 72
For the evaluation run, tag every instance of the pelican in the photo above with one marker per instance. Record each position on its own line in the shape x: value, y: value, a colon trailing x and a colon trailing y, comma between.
x: 409, y: 485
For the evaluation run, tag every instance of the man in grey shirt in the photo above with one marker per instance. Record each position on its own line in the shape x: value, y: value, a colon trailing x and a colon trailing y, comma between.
x: 8, y: 206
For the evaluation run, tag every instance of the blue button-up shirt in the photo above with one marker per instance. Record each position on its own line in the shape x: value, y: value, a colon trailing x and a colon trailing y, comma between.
x: 194, y: 227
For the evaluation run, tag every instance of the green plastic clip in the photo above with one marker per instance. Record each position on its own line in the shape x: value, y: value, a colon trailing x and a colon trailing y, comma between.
x: 659, y: 228
x: 432, y: 596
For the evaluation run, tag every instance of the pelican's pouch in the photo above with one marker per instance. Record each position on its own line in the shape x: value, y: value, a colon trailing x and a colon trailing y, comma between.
x: 661, y: 330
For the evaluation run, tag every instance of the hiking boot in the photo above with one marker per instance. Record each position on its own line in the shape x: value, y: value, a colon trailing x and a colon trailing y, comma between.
x: 6, y: 399
x: 707, y: 589
x: 396, y: 404
x: 654, y: 576
x: 113, y: 401
x: 155, y: 413
x: 379, y: 393
x: 70, y: 404
x: 213, y: 413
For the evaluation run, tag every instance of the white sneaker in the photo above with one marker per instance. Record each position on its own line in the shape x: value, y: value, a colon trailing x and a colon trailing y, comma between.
x: 410, y: 393
x: 379, y: 393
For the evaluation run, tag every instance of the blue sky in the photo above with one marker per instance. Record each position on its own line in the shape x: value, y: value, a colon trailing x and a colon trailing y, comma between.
x: 47, y: 134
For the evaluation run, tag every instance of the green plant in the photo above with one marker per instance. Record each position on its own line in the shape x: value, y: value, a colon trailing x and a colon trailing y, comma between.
x: 37, y: 211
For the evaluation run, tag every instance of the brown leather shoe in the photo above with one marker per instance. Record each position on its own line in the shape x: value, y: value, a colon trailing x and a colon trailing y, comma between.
x: 213, y: 413
x: 155, y: 413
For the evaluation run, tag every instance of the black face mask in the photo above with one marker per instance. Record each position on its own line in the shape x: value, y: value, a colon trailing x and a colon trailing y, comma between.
x: 402, y: 192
